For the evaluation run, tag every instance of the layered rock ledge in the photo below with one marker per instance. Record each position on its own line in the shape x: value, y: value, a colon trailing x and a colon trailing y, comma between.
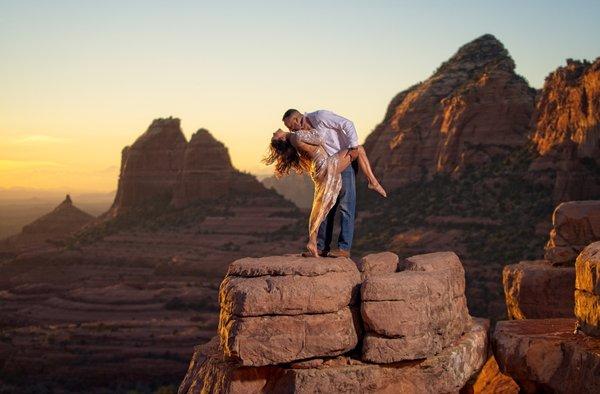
x: 276, y: 310
x: 447, y: 372
x: 587, y: 289
x: 414, y: 313
x: 295, y: 325
x: 537, y: 289
x: 545, y: 355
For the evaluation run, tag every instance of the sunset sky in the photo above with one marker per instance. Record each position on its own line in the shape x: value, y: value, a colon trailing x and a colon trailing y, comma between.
x: 79, y: 80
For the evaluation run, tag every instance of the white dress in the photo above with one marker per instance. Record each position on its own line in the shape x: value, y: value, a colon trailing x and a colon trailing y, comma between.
x: 323, y: 170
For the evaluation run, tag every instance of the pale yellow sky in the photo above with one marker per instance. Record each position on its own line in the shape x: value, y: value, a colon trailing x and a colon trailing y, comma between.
x: 81, y: 80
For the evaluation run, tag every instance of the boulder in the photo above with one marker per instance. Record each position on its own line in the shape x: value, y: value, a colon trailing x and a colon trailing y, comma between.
x: 446, y: 372
x: 280, y: 309
x: 276, y: 339
x: 587, y: 289
x: 575, y: 225
x: 207, y: 173
x: 414, y: 313
x: 377, y: 263
x: 537, y: 289
x: 546, y: 355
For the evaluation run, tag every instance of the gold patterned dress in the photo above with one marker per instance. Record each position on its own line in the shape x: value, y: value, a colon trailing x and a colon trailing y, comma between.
x: 323, y: 170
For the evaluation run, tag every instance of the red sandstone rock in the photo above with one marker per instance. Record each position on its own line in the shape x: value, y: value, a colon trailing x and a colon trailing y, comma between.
x: 150, y: 166
x: 587, y: 293
x: 472, y: 108
x: 575, y: 225
x: 414, y: 313
x: 439, y: 261
x: 276, y: 339
x: 537, y: 289
x: 207, y: 172
x: 566, y: 125
x: 544, y: 355
x: 289, y: 265
x: 289, y: 294
x: 280, y: 309
x: 378, y: 263
x: 446, y: 372
x: 491, y: 381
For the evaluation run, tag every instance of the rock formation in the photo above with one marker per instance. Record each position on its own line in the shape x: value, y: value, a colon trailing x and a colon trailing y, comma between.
x: 545, y: 355
x: 277, y: 310
x: 537, y: 289
x: 587, y: 290
x: 66, y: 218
x: 473, y: 108
x: 552, y: 354
x: 545, y: 288
x: 290, y: 324
x: 149, y: 167
x: 49, y: 230
x: 575, y: 225
x: 161, y: 166
x: 416, y: 312
x: 566, y: 130
x: 207, y: 173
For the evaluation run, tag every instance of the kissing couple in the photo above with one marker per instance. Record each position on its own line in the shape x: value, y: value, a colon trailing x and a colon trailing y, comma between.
x: 324, y: 145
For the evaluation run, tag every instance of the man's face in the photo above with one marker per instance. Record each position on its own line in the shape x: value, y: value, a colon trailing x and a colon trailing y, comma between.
x: 293, y: 122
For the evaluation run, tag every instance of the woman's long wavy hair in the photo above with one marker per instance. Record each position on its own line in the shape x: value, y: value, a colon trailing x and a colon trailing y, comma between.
x: 285, y: 157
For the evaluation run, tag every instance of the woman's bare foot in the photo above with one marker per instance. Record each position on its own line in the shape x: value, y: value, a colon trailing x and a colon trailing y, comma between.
x: 312, y: 248
x: 378, y: 188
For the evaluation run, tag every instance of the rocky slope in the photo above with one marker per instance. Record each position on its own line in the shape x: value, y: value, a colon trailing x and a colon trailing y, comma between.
x: 48, y: 231
x: 566, y: 131
x: 472, y: 160
x: 473, y: 108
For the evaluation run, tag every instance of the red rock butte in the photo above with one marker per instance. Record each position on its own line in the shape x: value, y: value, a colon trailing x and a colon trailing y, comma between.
x: 162, y: 166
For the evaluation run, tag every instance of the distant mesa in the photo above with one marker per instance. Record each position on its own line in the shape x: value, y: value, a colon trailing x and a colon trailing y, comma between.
x: 162, y: 165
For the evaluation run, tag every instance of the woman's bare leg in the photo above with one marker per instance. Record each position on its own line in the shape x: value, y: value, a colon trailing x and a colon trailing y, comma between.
x: 365, y: 166
x: 347, y: 156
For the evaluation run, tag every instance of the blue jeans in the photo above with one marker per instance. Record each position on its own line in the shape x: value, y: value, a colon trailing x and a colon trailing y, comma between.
x: 346, y: 202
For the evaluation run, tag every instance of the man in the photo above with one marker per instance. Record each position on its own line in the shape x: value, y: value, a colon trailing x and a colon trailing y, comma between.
x: 339, y: 133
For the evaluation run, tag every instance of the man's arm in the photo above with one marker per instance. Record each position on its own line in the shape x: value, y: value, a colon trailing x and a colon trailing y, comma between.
x: 342, y: 125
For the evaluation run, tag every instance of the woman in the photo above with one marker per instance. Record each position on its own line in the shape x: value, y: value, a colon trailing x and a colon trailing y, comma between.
x: 303, y: 150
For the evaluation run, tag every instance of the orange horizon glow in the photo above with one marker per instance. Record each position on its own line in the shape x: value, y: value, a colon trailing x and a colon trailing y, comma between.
x: 80, y: 81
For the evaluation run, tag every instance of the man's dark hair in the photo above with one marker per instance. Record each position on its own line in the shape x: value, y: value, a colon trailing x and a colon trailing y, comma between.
x: 289, y: 112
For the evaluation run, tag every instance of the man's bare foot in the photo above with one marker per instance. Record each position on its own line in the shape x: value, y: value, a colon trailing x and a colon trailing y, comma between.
x: 378, y: 188
x: 312, y: 248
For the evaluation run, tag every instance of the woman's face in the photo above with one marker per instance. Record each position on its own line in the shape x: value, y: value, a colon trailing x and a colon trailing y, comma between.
x: 279, y: 135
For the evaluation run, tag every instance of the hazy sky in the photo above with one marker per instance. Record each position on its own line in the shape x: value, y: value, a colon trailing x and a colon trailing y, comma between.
x: 79, y: 80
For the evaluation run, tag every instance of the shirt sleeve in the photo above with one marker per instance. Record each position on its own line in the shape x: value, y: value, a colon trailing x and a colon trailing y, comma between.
x: 342, y: 125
